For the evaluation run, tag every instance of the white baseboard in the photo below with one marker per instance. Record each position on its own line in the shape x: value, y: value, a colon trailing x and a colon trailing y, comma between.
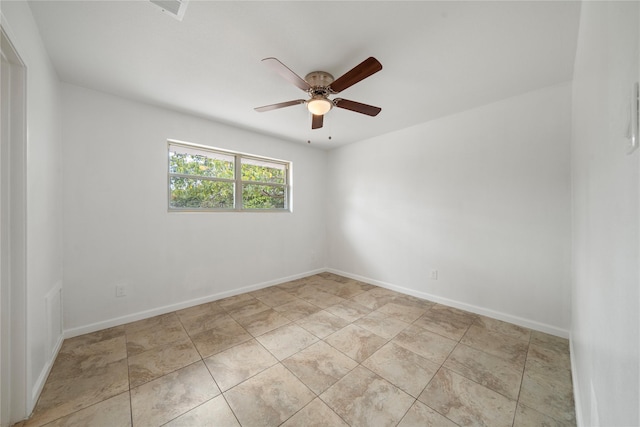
x: 54, y: 336
x: 527, y: 323
x: 577, y: 397
x: 42, y: 378
x: 109, y: 323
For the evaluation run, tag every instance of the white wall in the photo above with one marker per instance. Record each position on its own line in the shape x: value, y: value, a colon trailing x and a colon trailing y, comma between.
x: 117, y: 228
x: 605, y: 295
x: 482, y: 196
x: 44, y: 196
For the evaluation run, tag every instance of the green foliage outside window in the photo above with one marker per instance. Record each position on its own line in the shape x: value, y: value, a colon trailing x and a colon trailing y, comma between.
x: 254, y: 172
x: 256, y: 196
x: 206, y: 182
x: 194, y: 164
x: 262, y: 197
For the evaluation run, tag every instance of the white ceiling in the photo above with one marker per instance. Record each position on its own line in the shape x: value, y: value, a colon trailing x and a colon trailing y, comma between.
x: 439, y: 58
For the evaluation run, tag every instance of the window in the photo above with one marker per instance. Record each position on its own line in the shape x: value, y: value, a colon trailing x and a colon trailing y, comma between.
x: 202, y: 178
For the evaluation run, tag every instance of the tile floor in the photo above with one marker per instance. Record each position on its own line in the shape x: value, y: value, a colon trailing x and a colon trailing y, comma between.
x: 320, y: 351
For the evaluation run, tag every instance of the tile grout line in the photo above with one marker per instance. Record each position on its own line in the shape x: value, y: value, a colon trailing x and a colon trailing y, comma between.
x: 524, y: 368
x: 126, y: 350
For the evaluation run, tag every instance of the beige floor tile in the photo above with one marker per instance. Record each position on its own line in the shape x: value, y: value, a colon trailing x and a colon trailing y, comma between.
x: 347, y: 290
x: 466, y: 402
x: 286, y: 340
x: 549, y: 356
x: 381, y: 324
x: 332, y: 276
x: 232, y: 366
x: 446, y: 321
x: 402, y: 368
x: 379, y: 292
x: 204, y: 321
x: 527, y: 417
x: 264, y: 321
x: 363, y: 285
x: 319, y: 366
x: 276, y: 297
x: 246, y: 308
x: 373, y: 301
x: 63, y: 397
x: 411, y: 301
x: 269, y: 398
x: 490, y: 371
x: 163, y: 399
x: 153, y: 337
x: 545, y: 340
x: 315, y: 414
x: 293, y: 284
x: 319, y: 281
x: 230, y: 301
x: 215, y: 412
x: 508, y: 348
x: 218, y: 339
x: 406, y: 313
x: 346, y: 281
x: 356, y: 342
x: 494, y: 325
x: 74, y: 361
x: 420, y: 415
x: 549, y: 363
x: 362, y: 398
x: 151, y: 372
x: 205, y: 310
x: 115, y: 411
x: 83, y: 345
x: 160, y: 361
x: 552, y: 398
x: 349, y: 310
x: 168, y: 320
x: 322, y: 299
x: 302, y: 290
x: 297, y: 309
x: 427, y: 344
x: 322, y: 323
x: 264, y: 291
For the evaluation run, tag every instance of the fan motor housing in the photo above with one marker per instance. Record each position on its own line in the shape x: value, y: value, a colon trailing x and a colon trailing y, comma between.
x: 319, y: 79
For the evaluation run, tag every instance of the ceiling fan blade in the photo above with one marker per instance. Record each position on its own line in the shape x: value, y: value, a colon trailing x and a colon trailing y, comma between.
x: 279, y: 105
x: 360, y: 72
x: 358, y: 107
x: 285, y: 72
x: 316, y: 122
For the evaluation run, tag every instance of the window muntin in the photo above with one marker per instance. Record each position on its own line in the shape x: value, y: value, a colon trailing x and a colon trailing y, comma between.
x: 207, y: 179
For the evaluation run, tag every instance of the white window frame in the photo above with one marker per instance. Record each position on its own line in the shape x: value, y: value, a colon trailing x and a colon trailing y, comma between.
x: 238, y: 183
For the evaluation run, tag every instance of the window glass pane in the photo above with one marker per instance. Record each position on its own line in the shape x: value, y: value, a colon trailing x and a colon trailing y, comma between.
x: 188, y: 161
x: 256, y: 196
x: 188, y: 193
x: 263, y: 171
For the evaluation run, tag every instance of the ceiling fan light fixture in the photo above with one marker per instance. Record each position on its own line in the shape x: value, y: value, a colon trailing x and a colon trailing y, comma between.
x: 320, y: 84
x: 319, y: 105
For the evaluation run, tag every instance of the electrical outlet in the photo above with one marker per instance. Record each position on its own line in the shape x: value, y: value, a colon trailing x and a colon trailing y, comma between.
x: 434, y: 274
x: 121, y: 291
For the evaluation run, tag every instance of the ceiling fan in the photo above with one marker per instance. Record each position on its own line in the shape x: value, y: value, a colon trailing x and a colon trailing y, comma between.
x: 320, y: 84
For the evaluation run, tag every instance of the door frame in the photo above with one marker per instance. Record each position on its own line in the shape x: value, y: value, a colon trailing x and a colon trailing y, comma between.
x: 14, y: 399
